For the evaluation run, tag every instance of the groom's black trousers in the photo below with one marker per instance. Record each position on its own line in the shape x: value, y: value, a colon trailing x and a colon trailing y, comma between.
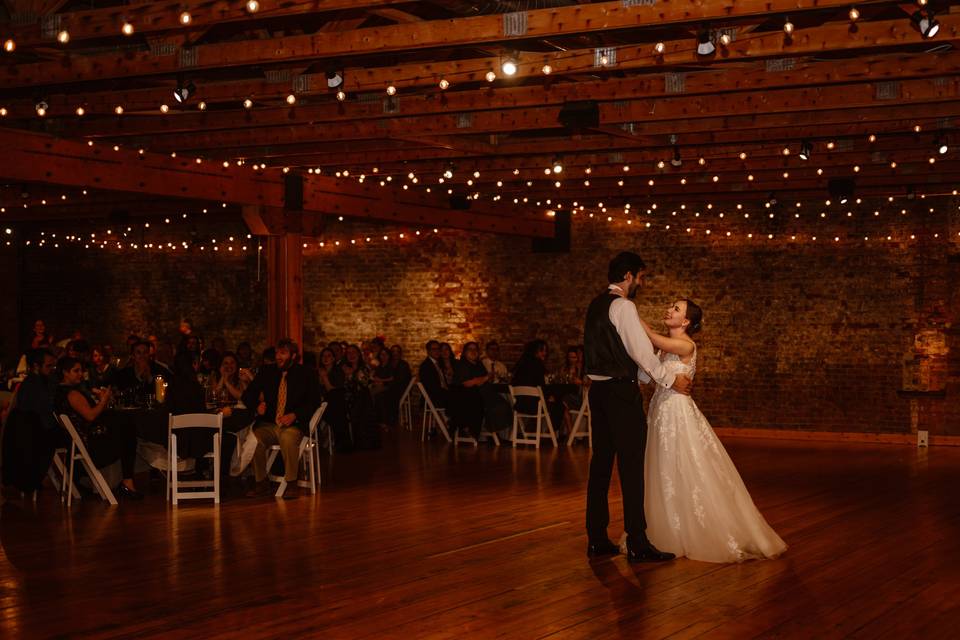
x: 619, y: 429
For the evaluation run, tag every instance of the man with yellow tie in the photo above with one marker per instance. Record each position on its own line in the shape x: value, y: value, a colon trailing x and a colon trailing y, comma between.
x: 284, y: 395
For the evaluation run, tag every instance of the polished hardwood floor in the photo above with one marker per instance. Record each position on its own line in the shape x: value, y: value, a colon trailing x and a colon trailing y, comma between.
x: 435, y: 542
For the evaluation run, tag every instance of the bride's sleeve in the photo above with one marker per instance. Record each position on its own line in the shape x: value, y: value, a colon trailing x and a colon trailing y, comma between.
x: 627, y: 321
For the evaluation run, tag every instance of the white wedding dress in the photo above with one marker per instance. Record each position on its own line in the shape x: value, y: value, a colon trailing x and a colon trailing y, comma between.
x: 696, y: 504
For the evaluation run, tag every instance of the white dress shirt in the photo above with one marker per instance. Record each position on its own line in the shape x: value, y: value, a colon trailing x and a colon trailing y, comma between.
x: 624, y: 316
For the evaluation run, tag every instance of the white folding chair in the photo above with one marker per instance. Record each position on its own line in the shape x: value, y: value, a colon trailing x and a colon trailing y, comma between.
x: 174, y: 484
x: 309, y: 444
x: 457, y: 438
x: 542, y: 417
x: 406, y: 406
x: 432, y: 414
x: 58, y: 474
x: 582, y: 416
x: 78, y: 451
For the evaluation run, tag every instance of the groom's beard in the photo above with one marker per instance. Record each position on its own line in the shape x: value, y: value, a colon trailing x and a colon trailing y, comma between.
x: 632, y: 292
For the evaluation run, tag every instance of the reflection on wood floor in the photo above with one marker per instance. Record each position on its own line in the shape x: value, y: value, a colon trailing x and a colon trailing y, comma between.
x: 430, y: 541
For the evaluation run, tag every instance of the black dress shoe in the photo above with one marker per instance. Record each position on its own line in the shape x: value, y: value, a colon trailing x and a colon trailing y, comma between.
x: 647, y: 553
x: 602, y: 548
x: 128, y: 494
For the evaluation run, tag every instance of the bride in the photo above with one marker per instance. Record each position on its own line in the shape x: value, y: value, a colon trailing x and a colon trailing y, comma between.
x: 696, y: 504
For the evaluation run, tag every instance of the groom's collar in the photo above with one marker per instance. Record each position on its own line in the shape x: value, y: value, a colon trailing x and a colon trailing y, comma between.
x: 616, y: 289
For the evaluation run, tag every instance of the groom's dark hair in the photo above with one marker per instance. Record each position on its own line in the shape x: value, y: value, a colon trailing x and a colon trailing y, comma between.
x: 626, y: 261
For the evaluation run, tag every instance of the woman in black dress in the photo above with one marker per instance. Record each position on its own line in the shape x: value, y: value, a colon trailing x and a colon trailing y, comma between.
x: 466, y: 400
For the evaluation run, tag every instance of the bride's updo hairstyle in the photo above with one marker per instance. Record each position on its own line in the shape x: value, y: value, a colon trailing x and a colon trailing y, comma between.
x: 695, y: 316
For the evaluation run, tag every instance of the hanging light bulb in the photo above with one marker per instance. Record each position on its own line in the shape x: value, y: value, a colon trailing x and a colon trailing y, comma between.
x: 557, y: 165
x: 788, y: 27
x: 659, y: 48
x: 854, y: 14
x: 81, y: 111
x: 546, y: 69
x: 185, y: 18
x: 391, y: 90
x: 341, y: 96
x: 509, y: 66
x: 253, y: 6
x: 444, y: 84
x: 9, y: 45
x: 491, y: 76
x: 118, y: 110
x: 248, y: 103
x: 63, y: 37
x: 202, y: 106
x: 41, y: 108
x: 164, y: 108
x: 291, y: 99
x: 725, y: 39
x: 127, y: 28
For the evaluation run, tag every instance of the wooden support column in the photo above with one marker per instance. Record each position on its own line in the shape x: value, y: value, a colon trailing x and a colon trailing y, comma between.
x: 284, y: 232
x: 285, y: 287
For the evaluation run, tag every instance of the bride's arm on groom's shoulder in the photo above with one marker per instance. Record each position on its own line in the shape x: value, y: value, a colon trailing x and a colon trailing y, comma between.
x: 681, y: 347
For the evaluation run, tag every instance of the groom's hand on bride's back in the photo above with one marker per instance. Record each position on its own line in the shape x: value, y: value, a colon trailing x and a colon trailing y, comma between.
x: 683, y: 385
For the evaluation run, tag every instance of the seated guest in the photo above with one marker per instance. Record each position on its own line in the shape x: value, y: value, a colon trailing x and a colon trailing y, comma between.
x: 284, y: 399
x: 31, y: 432
x: 392, y: 376
x: 102, y: 373
x: 331, y: 375
x: 337, y: 347
x: 137, y: 381
x: 361, y: 419
x: 447, y: 361
x: 466, y: 401
x: 229, y: 385
x: 531, y: 371
x: 383, y: 373
x: 571, y: 373
x: 186, y: 395
x: 268, y: 358
x: 106, y: 439
x: 209, y: 362
x: 432, y: 377
x: 493, y: 363
x: 40, y: 338
x: 190, y: 343
x: 245, y: 355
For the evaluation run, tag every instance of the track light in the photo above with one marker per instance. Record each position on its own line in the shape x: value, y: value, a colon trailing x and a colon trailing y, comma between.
x: 183, y: 91
x: 806, y: 150
x: 676, y: 160
x: 334, y: 78
x: 704, y: 46
x: 771, y: 200
x: 926, y: 23
x: 841, y: 189
x: 509, y: 66
x: 942, y: 146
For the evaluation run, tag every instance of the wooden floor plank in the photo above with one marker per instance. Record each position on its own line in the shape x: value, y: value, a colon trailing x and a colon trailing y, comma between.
x: 432, y: 541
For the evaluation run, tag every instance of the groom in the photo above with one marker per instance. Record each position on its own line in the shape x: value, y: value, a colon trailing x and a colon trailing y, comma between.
x: 618, y: 353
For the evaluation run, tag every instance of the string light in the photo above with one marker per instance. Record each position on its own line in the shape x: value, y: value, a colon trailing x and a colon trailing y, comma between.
x: 118, y: 110
x: 63, y: 37
x: 202, y: 106
x: 127, y: 28
x: 185, y: 18
x: 444, y: 84
x: 491, y: 76
x: 391, y: 90
x: 546, y: 69
x: 9, y: 45
x: 291, y: 99
x: 253, y: 6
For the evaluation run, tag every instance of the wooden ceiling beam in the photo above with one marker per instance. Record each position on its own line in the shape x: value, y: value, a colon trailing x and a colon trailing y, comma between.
x: 40, y: 158
x: 647, y: 116
x: 712, y: 83
x: 160, y: 17
x: 491, y: 29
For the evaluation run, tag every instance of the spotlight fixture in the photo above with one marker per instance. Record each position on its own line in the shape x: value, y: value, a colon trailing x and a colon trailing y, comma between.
x: 63, y: 37
x: 186, y: 18
x: 806, y: 150
x: 926, y: 23
x: 854, y: 14
x: 676, y: 160
x: 41, y: 108
x: 705, y: 46
x: 253, y: 6
x: 509, y: 66
x: 127, y: 28
x: 841, y: 189
x: 9, y: 45
x: 334, y: 78
x: 183, y: 91
x: 941, y: 144
x: 788, y: 27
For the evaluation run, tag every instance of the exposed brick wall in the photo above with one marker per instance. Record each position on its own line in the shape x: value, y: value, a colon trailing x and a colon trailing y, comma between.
x: 798, y: 335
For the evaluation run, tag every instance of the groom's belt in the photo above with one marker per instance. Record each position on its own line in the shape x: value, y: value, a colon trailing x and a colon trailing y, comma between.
x: 619, y: 380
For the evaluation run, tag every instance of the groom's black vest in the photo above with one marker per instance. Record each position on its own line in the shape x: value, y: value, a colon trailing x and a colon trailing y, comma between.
x: 603, y: 349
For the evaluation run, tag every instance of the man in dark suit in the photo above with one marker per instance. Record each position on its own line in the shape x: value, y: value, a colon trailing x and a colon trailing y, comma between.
x: 284, y: 396
x: 431, y: 377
